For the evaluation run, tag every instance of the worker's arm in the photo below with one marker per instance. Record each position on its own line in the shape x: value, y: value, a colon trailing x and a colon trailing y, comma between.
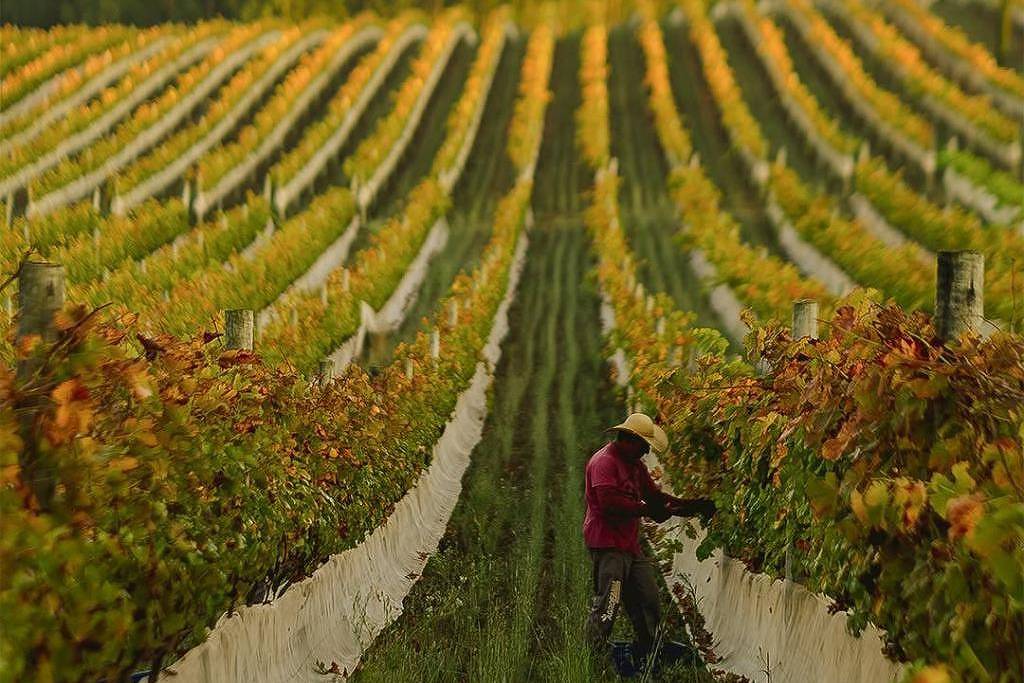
x: 613, y: 501
x: 684, y: 507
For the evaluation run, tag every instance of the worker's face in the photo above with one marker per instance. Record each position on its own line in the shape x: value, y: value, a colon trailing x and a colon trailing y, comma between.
x: 632, y: 446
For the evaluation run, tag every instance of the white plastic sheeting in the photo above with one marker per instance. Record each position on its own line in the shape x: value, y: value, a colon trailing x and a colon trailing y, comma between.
x: 806, y: 257
x: 208, y: 198
x: 1007, y: 155
x: 961, y: 189
x: 103, y: 124
x: 160, y: 180
x: 334, y: 615
x: 772, y: 630
x: 875, y: 223
x: 390, y: 316
x: 88, y: 90
x: 289, y: 191
x: 82, y: 186
x: 721, y: 298
x: 923, y: 158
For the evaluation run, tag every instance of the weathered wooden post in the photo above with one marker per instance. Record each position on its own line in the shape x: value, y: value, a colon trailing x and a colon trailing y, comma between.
x: 959, y: 293
x: 325, y: 370
x: 40, y: 296
x: 239, y: 328
x: 435, y: 344
x: 805, y: 319
x: 805, y: 325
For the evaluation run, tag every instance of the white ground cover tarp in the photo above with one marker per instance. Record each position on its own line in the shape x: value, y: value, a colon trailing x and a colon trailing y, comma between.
x: 101, y: 126
x: 761, y: 624
x: 334, y: 615
x: 773, y: 630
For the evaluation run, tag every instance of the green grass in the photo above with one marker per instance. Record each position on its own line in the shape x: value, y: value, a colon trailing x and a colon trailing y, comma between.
x: 710, y: 140
x: 506, y: 596
x: 488, y: 176
x: 650, y: 218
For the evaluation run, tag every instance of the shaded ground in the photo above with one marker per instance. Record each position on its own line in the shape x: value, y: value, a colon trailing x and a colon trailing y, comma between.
x: 506, y: 596
x: 488, y: 176
x: 650, y: 218
x: 701, y: 116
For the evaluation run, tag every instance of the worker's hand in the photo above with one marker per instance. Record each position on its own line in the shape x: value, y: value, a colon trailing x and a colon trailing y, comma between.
x: 695, y: 507
x: 657, y: 511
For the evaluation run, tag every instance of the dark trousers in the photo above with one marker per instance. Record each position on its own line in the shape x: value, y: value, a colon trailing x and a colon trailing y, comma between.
x: 623, y: 578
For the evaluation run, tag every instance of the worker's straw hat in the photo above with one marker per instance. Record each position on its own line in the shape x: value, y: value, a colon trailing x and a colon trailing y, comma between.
x: 644, y: 427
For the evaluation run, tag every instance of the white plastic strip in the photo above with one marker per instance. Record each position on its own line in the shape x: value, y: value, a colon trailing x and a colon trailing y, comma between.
x: 366, y: 192
x: 335, y: 614
x: 390, y: 316
x: 103, y: 124
x: 772, y: 630
x: 807, y: 257
x: 293, y: 188
x: 82, y: 186
x: 865, y: 212
x: 159, y: 181
x: 977, y: 198
x: 207, y: 199
x: 721, y: 298
x: 84, y: 93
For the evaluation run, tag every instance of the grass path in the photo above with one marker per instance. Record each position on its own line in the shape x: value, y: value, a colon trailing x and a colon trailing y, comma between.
x: 724, y: 166
x: 488, y: 176
x: 505, y: 597
x: 418, y: 157
x: 508, y: 588
x: 650, y: 219
x: 763, y: 102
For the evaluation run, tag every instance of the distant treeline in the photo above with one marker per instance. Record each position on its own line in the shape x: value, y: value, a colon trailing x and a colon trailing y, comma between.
x: 148, y: 12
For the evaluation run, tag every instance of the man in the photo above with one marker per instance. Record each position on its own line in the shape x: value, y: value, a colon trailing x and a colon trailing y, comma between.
x: 619, y: 491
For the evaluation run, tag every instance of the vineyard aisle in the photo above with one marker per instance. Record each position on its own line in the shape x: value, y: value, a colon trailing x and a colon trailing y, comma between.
x: 510, y: 585
x: 650, y: 218
x: 488, y: 176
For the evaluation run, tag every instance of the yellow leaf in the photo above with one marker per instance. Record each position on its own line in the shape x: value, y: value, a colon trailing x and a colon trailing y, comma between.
x: 124, y: 464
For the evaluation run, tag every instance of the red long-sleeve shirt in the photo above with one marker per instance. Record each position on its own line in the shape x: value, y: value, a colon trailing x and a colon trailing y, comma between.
x: 616, y: 490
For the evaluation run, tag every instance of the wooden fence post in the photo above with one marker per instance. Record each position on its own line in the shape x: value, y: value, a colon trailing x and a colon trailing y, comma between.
x: 239, y: 328
x: 325, y: 370
x: 805, y: 325
x: 40, y: 296
x: 959, y: 293
x: 805, y: 319
x: 435, y: 344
